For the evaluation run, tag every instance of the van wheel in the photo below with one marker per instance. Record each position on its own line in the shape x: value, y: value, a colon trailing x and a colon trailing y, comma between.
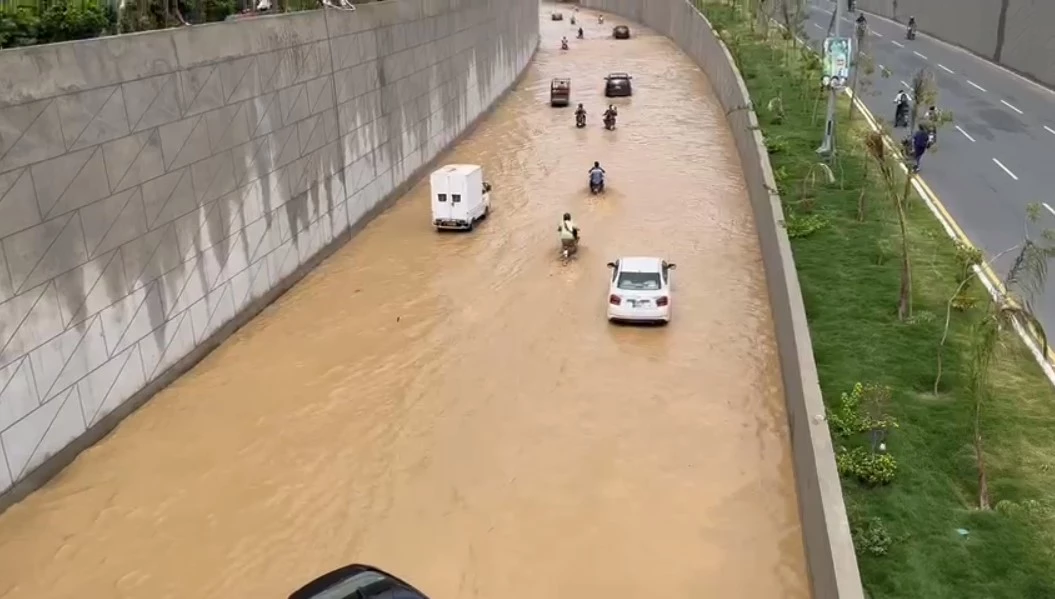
x: 487, y: 211
x: 472, y: 224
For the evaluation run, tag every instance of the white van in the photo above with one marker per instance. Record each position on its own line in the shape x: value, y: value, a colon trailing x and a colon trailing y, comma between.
x: 460, y: 197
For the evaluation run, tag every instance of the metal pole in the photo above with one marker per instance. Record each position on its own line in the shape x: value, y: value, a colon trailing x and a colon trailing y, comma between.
x: 828, y: 145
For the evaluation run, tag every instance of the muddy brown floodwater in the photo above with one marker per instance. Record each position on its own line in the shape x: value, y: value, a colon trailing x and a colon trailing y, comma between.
x: 455, y: 408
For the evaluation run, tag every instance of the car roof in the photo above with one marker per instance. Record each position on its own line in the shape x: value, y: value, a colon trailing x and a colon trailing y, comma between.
x: 640, y: 264
x: 618, y: 75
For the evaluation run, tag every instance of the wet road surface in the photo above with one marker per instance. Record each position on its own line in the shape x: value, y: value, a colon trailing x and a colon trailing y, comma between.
x: 454, y: 407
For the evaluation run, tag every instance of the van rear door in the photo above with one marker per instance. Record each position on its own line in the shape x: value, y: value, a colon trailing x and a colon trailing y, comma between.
x: 441, y: 196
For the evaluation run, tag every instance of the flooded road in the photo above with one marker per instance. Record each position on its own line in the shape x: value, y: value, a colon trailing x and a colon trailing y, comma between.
x: 454, y: 408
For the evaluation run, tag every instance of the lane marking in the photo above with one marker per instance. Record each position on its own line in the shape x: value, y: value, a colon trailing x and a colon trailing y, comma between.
x: 877, y: 34
x: 1050, y: 209
x: 1006, y: 170
x: 903, y: 82
x: 818, y: 26
x: 898, y: 44
x: 920, y: 55
x: 1050, y: 130
x: 1006, y: 103
x: 965, y: 134
x: 946, y: 69
x: 976, y: 86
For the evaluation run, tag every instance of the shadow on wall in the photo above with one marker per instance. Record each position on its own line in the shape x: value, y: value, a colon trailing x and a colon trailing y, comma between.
x: 158, y: 190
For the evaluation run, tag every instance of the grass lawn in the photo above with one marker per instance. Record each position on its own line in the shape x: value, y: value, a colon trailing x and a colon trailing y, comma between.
x: 850, y: 275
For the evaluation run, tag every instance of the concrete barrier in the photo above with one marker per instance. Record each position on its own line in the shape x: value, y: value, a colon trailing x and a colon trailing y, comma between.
x: 1019, y: 34
x: 157, y: 190
x: 829, y: 550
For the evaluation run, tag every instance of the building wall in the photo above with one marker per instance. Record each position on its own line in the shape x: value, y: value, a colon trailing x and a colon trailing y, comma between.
x: 157, y: 189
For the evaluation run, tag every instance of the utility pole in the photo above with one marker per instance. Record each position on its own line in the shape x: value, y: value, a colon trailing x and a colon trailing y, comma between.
x: 828, y: 145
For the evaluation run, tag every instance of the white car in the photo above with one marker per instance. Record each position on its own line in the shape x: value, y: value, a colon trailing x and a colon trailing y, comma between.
x: 639, y: 290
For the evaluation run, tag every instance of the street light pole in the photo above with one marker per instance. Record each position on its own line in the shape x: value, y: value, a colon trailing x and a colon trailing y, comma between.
x: 828, y: 145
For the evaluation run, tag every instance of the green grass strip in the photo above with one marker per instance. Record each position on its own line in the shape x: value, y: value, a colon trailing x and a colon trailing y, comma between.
x: 921, y: 536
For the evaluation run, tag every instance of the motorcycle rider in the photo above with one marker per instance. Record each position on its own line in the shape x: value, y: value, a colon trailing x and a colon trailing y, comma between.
x: 580, y: 113
x: 600, y: 19
x: 569, y: 234
x: 563, y: 43
x: 862, y: 23
x: 901, y: 101
x: 580, y: 33
x: 911, y: 27
x: 610, y: 113
x: 597, y: 175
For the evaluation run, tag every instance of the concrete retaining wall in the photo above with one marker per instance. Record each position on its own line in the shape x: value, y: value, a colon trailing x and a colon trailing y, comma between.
x: 1019, y: 34
x: 158, y: 189
x: 826, y: 536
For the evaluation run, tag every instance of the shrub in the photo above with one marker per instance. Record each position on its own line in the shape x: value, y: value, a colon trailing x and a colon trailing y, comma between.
x: 63, y: 21
x: 872, y: 469
x: 872, y: 538
x: 18, y: 27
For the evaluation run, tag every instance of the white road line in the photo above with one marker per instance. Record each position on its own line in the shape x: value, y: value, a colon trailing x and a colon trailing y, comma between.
x: 898, y: 44
x: 1006, y: 103
x: 920, y: 55
x: 976, y: 86
x: 877, y: 34
x: 946, y: 69
x: 904, y: 83
x: 965, y: 134
x: 1050, y: 209
x: 881, y: 68
x: 818, y: 26
x: 1050, y: 130
x: 1006, y: 170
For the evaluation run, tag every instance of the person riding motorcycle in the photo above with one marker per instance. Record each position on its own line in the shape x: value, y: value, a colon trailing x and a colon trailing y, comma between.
x: 911, y: 33
x: 609, y: 115
x: 580, y: 33
x: 569, y: 234
x: 564, y: 43
x: 600, y: 19
x: 862, y: 23
x: 597, y: 176
x: 580, y: 115
x: 573, y: 19
x: 901, y: 101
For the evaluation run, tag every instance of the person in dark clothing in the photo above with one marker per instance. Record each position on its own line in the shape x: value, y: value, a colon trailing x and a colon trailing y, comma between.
x: 920, y: 142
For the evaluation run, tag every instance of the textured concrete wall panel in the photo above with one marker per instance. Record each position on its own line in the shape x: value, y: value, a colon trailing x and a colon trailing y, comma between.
x: 1029, y: 39
x: 154, y: 187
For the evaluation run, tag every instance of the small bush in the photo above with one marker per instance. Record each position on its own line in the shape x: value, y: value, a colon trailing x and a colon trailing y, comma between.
x: 872, y: 538
x: 804, y: 226
x: 64, y: 21
x: 872, y: 469
x: 18, y: 27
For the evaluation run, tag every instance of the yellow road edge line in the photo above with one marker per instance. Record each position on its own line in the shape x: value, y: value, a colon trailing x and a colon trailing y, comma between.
x: 984, y: 267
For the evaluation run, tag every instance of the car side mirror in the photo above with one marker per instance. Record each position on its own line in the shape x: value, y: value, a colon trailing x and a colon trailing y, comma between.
x: 611, y: 265
x: 670, y: 266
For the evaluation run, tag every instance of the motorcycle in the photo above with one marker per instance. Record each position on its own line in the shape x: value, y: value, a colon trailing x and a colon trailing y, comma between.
x: 580, y: 120
x: 564, y: 45
x: 597, y: 186
x: 901, y: 115
x: 569, y: 248
x: 609, y: 121
x: 580, y: 35
x: 573, y: 19
x: 910, y: 33
x: 600, y: 19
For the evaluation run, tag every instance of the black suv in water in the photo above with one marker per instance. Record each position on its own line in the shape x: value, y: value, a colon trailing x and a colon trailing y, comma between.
x: 617, y: 85
x: 621, y: 32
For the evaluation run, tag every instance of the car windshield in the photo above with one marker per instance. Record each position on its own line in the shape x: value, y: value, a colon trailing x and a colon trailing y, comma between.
x: 639, y: 281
